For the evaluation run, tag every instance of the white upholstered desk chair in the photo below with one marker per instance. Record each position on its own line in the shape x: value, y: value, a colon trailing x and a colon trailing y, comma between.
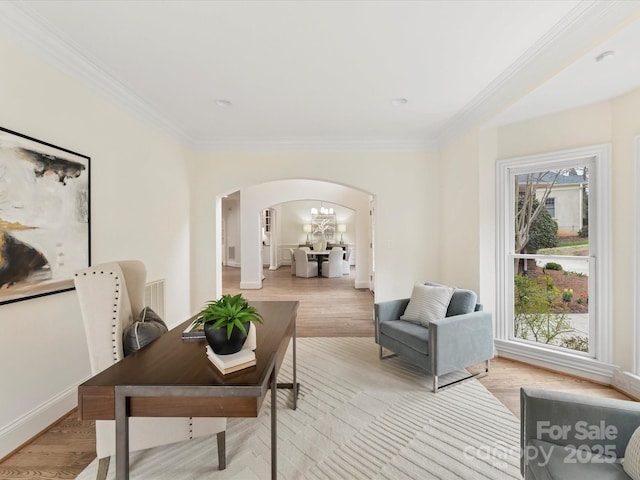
x: 111, y: 297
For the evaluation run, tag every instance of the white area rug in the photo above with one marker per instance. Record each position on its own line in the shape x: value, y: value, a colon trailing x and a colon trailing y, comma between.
x: 358, y: 418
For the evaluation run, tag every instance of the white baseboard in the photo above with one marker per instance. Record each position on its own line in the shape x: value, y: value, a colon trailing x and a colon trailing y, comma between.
x: 32, y: 423
x: 251, y: 285
x: 627, y: 383
x: 361, y: 284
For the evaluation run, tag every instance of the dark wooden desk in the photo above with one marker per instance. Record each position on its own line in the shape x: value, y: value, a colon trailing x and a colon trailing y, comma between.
x: 172, y: 377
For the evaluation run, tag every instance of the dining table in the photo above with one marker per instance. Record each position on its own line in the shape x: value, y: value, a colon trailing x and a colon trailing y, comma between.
x: 319, y: 255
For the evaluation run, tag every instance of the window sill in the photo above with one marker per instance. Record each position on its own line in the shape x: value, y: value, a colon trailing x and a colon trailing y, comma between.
x: 565, y: 362
x: 627, y: 383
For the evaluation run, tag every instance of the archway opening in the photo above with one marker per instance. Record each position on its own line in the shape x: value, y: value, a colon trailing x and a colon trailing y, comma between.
x: 261, y: 224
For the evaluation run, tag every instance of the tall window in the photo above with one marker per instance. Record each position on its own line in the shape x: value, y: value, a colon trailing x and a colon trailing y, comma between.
x: 553, y: 272
x: 551, y: 262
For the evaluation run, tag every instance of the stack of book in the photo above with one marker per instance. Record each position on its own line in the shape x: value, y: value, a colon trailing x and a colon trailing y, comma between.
x: 232, y: 362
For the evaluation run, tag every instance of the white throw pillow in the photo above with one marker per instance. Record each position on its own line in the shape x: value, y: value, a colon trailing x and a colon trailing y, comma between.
x: 427, y: 303
x: 631, y: 462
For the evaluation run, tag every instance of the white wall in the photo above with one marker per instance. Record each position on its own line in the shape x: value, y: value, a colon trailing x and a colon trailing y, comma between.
x: 405, y: 185
x: 231, y: 216
x: 139, y: 209
x: 459, y: 224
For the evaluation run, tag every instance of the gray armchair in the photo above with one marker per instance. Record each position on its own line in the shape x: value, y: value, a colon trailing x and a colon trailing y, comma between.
x: 446, y: 345
x: 568, y: 436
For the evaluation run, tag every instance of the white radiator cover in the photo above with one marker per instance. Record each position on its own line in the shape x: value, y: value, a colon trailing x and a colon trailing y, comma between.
x: 154, y: 296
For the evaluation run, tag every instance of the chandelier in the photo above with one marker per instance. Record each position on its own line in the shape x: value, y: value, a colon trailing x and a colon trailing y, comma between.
x: 322, y: 211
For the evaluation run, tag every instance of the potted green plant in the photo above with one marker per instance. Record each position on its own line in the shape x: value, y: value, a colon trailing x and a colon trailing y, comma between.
x: 226, y: 322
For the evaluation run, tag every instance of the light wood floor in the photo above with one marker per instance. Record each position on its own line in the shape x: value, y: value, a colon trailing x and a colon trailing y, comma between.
x: 328, y: 307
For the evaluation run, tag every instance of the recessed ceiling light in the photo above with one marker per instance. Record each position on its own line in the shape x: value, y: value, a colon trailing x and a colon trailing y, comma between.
x: 605, y: 55
x: 396, y: 102
x: 223, y: 103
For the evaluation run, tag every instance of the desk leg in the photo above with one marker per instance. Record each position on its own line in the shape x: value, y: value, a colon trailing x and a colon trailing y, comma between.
x: 274, y: 424
x: 295, y: 386
x: 122, y: 436
x: 295, y: 368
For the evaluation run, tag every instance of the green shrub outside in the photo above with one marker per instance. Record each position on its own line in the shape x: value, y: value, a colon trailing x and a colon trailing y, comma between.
x: 553, y: 266
x: 536, y: 309
x: 543, y: 232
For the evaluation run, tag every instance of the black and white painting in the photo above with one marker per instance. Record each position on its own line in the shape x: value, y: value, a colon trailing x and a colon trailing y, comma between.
x: 44, y: 217
x: 323, y: 226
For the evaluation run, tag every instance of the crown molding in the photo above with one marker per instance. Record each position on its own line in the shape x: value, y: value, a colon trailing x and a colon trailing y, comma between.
x: 30, y: 32
x: 589, y: 22
x: 316, y: 145
x: 585, y: 26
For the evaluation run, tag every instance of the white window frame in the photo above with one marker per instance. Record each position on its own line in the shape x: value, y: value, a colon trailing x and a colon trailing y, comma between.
x: 636, y: 242
x: 597, y: 367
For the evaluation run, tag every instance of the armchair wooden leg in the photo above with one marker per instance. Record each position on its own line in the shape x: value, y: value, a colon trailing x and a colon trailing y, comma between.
x: 103, y: 468
x: 222, y: 453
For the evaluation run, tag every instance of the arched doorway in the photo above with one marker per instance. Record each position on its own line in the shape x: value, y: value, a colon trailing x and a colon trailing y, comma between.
x: 254, y: 200
x: 328, y: 306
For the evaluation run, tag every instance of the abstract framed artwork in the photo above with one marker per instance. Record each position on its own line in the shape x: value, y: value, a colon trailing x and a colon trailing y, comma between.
x: 44, y: 217
x: 323, y: 226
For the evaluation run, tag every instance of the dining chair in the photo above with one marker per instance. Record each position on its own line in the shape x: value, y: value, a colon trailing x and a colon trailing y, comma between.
x: 346, y: 263
x: 293, y: 261
x: 111, y: 296
x: 304, y: 268
x: 333, y: 267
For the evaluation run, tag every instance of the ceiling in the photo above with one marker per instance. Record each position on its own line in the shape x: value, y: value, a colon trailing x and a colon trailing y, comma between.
x: 587, y: 80
x: 320, y: 74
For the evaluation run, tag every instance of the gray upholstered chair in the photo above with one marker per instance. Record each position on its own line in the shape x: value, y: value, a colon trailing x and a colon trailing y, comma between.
x: 447, y: 345
x: 111, y: 295
x: 555, y: 424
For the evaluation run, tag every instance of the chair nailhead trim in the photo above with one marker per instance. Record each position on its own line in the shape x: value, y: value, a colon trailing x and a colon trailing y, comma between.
x: 115, y: 311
